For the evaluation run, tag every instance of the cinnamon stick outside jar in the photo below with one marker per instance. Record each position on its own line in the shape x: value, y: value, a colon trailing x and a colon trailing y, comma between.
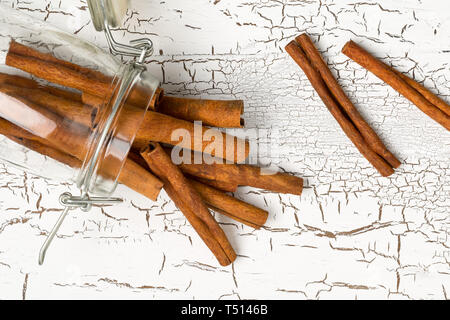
x: 298, y: 55
x: 230, y: 206
x: 215, y: 113
x: 217, y: 200
x: 217, y: 184
x: 399, y: 83
x: 350, y: 110
x: 190, y: 203
x: 243, y: 175
x: 434, y: 99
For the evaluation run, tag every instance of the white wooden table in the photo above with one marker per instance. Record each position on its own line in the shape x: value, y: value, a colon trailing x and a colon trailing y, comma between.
x: 352, y: 234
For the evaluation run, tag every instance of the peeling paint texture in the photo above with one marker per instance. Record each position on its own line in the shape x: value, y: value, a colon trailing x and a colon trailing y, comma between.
x: 351, y: 235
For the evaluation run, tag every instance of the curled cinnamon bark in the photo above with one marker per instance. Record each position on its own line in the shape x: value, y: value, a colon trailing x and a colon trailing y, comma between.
x: 314, y: 76
x: 162, y: 128
x: 47, y: 151
x: 23, y: 82
x: 413, y: 92
x: 435, y: 100
x: 189, y: 202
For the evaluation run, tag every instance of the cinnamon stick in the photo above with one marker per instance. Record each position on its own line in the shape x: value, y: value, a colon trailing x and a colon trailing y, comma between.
x: 392, y: 78
x: 47, y: 151
x: 230, y: 206
x: 427, y: 94
x: 215, y: 113
x: 73, y: 110
x: 220, y: 185
x: 350, y: 110
x: 23, y: 82
x: 161, y: 128
x: 26, y: 51
x: 299, y: 56
x: 34, y: 122
x: 189, y: 202
x: 243, y: 175
x: 47, y: 67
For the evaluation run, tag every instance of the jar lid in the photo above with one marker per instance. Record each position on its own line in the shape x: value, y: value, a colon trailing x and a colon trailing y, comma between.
x: 111, y: 12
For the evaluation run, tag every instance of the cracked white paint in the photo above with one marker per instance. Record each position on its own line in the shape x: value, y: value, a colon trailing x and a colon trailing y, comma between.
x: 352, y: 234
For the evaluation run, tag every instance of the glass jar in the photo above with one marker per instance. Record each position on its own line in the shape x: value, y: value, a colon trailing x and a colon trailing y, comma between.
x: 68, y: 109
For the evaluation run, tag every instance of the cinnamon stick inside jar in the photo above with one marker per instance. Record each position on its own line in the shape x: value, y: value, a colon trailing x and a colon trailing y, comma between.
x: 23, y: 82
x: 73, y: 110
x: 190, y: 203
x: 414, y: 93
x: 299, y: 56
x: 33, y: 122
x: 47, y: 151
x: 48, y: 67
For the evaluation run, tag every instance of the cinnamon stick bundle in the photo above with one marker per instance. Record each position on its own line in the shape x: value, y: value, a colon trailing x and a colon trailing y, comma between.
x: 426, y: 101
x: 363, y: 137
x: 30, y: 121
x: 220, y: 202
x: 45, y: 66
x: 155, y: 127
x: 190, y: 203
x: 159, y: 127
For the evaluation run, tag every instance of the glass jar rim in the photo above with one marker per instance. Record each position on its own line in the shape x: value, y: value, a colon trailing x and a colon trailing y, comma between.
x: 89, y: 179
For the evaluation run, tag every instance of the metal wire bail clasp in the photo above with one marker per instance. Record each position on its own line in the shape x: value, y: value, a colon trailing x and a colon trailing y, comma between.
x: 70, y: 202
x: 140, y: 48
x: 107, y: 14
